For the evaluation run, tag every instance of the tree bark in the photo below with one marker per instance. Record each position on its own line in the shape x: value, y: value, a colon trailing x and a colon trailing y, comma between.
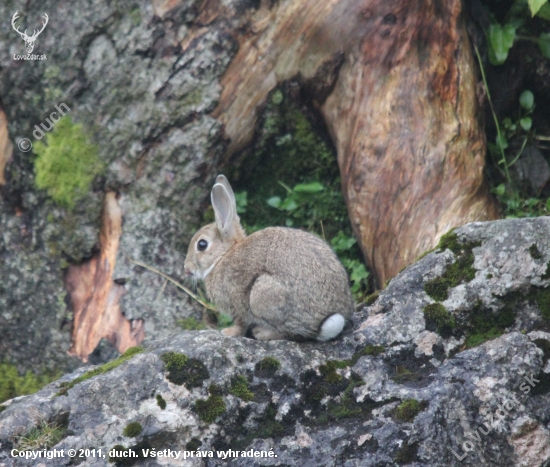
x: 395, y: 82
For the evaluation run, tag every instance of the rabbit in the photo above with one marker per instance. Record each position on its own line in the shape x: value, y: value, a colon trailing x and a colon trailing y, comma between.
x: 279, y: 283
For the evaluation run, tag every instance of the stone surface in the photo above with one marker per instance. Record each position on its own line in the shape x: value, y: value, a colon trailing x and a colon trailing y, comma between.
x: 335, y: 404
x: 144, y: 97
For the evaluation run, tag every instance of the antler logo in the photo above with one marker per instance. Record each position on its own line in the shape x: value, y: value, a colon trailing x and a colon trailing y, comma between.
x: 29, y: 41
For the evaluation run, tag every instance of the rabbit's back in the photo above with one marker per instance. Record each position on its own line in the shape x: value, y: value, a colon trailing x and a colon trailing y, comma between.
x: 308, y: 281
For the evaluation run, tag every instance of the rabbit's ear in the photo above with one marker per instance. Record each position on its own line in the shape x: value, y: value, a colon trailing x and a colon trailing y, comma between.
x: 224, y: 210
x: 222, y: 180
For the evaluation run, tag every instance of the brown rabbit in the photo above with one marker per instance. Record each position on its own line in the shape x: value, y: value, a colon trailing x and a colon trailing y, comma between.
x: 280, y: 283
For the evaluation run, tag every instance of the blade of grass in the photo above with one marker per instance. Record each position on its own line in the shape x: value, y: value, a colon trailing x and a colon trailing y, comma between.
x: 195, y: 297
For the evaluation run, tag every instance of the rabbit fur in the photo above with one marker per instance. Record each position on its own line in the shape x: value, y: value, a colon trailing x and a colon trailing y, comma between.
x: 280, y: 283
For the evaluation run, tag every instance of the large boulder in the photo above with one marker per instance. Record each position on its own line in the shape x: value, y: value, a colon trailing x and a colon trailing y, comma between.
x: 447, y: 366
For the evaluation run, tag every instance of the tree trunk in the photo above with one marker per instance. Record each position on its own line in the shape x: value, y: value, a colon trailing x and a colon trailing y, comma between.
x: 395, y: 82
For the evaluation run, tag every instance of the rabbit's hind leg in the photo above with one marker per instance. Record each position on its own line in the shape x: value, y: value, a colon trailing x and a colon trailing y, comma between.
x: 266, y: 334
x: 234, y: 331
x: 267, y: 308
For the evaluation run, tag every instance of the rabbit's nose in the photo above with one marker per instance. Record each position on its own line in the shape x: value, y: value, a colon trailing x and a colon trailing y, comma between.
x: 188, y: 272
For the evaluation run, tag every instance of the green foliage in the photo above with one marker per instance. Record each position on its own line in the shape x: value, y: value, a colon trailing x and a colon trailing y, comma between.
x: 224, y: 321
x: 291, y: 178
x: 13, y: 385
x: 132, y: 351
x: 239, y: 388
x: 514, y: 134
x: 67, y: 164
x: 501, y: 40
x: 501, y: 36
x: 43, y: 436
x: 132, y: 430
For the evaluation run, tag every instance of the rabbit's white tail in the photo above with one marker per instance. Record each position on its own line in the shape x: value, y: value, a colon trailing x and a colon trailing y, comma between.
x: 331, y: 327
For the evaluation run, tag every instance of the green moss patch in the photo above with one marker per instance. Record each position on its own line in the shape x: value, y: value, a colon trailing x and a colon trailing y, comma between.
x: 185, y: 370
x: 132, y: 430
x: 210, y: 409
x: 132, y: 351
x: 193, y: 445
x: 239, y: 388
x: 67, y: 163
x: 372, y: 298
x: 461, y: 271
x: 409, y: 409
x: 534, y: 251
x: 439, y: 319
x: 542, y: 298
x: 485, y: 324
x: 13, y: 385
x: 161, y: 402
x: 267, y: 367
x: 407, y: 454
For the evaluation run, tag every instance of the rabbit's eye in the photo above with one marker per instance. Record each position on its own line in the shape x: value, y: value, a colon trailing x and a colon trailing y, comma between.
x: 202, y: 245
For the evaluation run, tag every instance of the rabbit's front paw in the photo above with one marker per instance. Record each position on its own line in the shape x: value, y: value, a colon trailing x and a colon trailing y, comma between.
x: 233, y: 331
x: 263, y: 334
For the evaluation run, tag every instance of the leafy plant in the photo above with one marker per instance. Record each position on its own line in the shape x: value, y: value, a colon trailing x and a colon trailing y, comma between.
x: 502, y: 36
x: 515, y: 201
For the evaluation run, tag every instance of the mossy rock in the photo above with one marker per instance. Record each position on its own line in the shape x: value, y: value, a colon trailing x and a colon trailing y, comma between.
x: 267, y: 367
x: 409, y: 409
x: 239, y: 388
x: 210, y: 409
x: 459, y: 272
x: 439, y: 319
x: 66, y: 163
x: 132, y: 430
x: 185, y: 370
x: 131, y: 352
x: 161, y: 402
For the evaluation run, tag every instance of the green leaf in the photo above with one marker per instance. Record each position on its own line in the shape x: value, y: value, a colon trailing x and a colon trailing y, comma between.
x: 501, y: 141
x: 535, y: 6
x: 342, y: 242
x: 274, y: 202
x: 501, y: 39
x: 289, y: 204
x: 499, y: 190
x: 242, y: 201
x: 527, y: 100
x: 548, y: 204
x: 526, y: 123
x: 314, y: 187
x: 544, y: 12
x: 544, y: 44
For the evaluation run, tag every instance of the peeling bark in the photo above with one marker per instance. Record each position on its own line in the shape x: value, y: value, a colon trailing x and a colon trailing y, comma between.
x: 6, y: 147
x: 95, y: 297
x: 400, y: 106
